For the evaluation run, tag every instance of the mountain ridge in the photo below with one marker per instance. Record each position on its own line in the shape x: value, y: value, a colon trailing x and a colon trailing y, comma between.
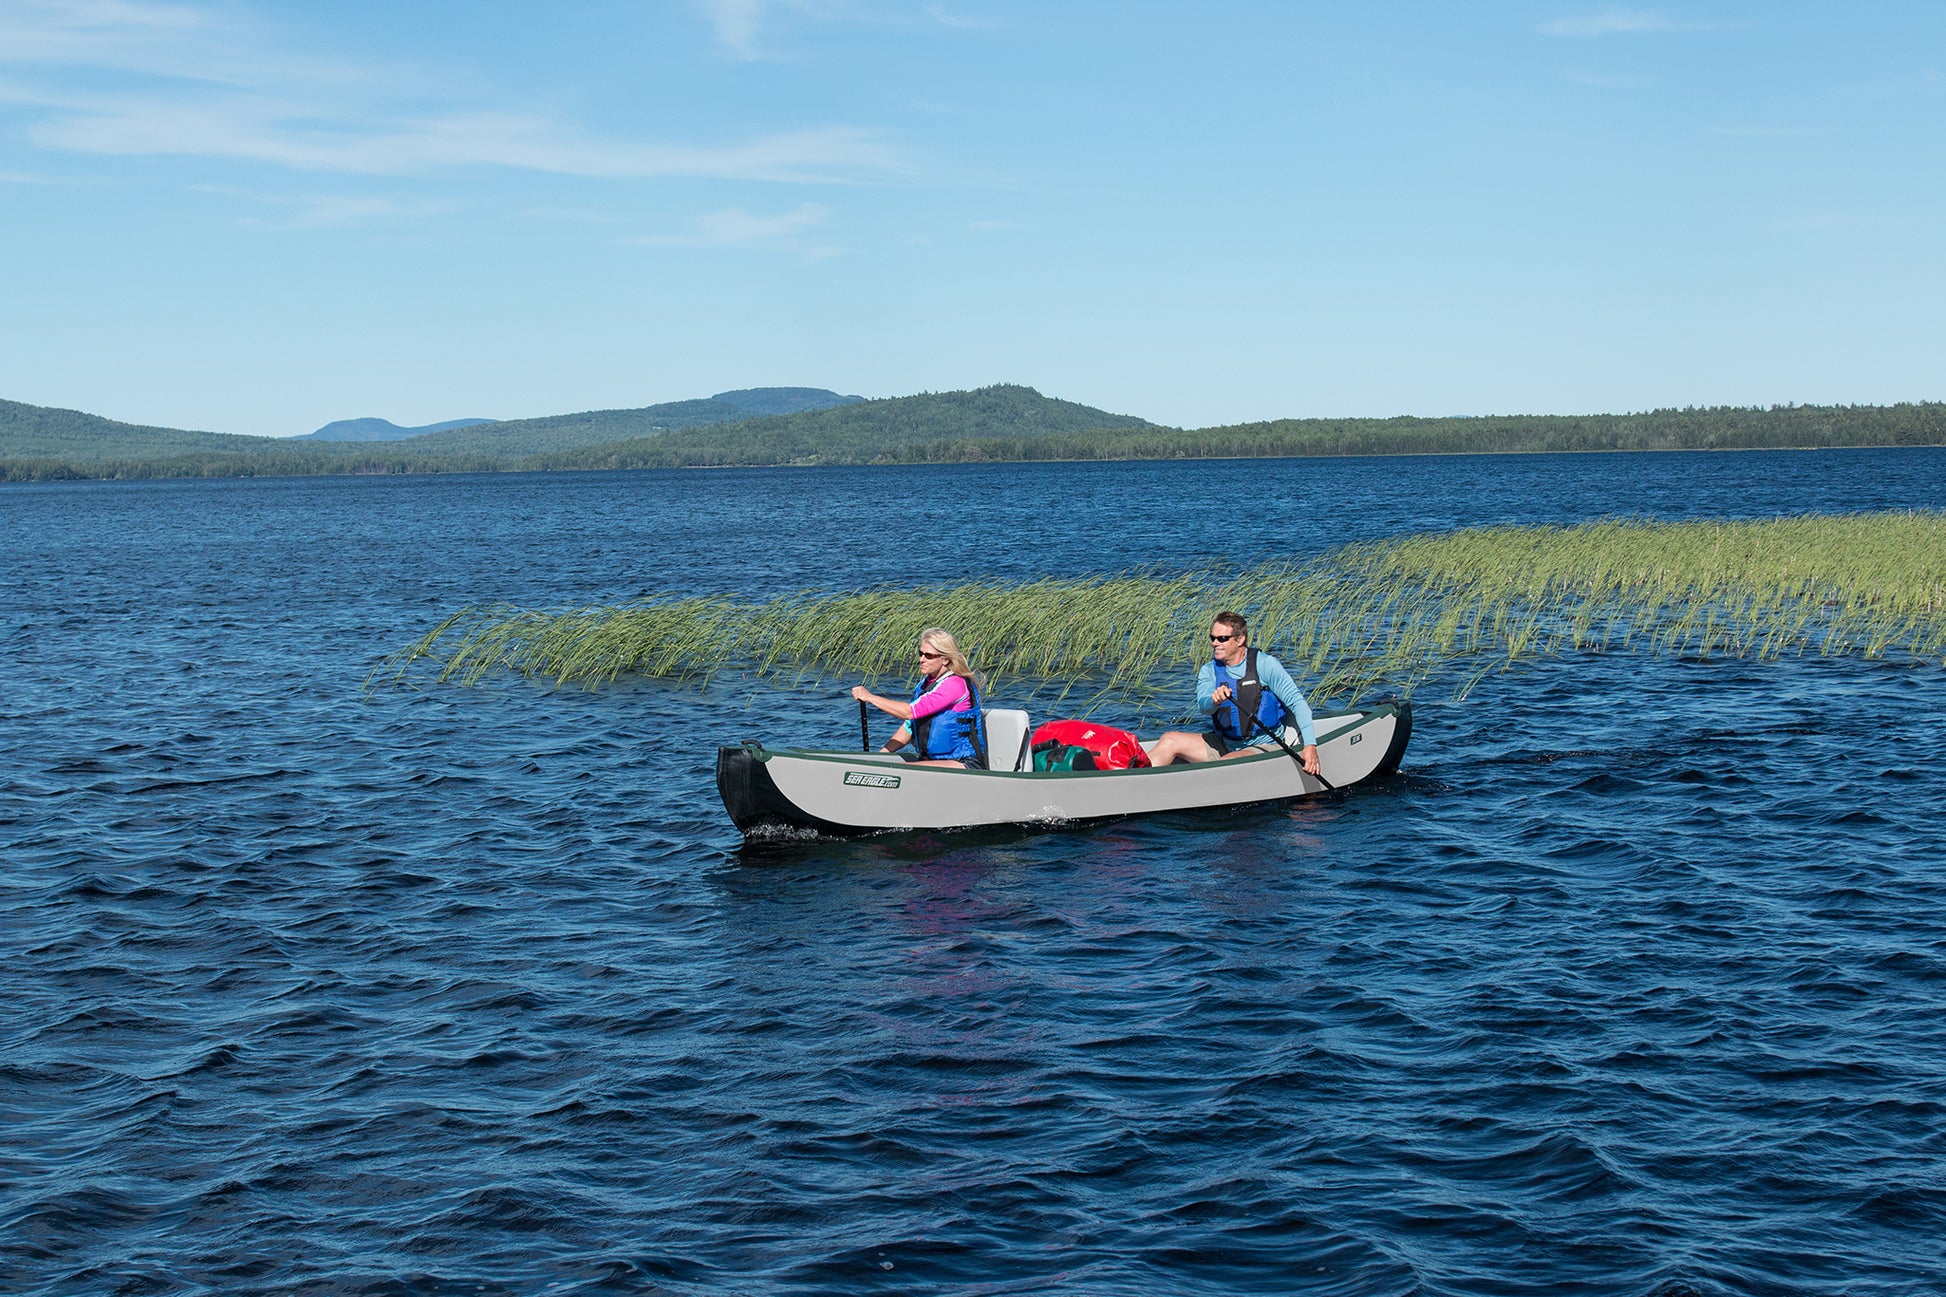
x: 723, y: 407
x: 41, y: 442
x: 375, y: 429
x: 1000, y: 423
x: 53, y: 431
x: 563, y: 432
x: 865, y: 432
x: 783, y: 400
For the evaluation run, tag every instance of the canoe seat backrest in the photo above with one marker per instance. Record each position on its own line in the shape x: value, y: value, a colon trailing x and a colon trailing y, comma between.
x: 1007, y: 731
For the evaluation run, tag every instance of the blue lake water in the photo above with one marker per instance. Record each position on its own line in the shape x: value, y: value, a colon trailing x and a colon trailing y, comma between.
x: 1632, y: 982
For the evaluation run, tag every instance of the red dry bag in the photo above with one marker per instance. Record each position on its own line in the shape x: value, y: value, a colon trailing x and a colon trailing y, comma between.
x: 1114, y: 749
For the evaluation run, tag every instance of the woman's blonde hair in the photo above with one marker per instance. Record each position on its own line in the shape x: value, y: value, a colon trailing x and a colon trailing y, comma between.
x: 942, y: 641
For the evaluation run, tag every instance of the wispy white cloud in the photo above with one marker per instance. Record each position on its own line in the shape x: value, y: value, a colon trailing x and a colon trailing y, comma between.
x: 94, y: 31
x: 164, y: 40
x: 312, y: 138
x: 755, y: 29
x: 938, y: 13
x: 1772, y: 132
x: 1615, y: 22
x: 737, y: 22
x: 741, y: 24
x: 1602, y: 81
x: 1828, y: 221
x: 233, y: 96
x: 319, y: 211
x: 575, y: 215
x: 736, y: 228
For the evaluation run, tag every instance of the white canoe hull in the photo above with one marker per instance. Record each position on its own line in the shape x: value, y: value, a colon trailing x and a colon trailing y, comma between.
x: 790, y: 790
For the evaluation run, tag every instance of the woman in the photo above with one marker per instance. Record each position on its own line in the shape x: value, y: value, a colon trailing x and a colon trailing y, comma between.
x: 943, y: 718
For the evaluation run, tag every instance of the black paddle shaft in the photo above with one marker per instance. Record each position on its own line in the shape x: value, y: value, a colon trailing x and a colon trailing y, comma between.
x: 864, y: 728
x: 1278, y: 739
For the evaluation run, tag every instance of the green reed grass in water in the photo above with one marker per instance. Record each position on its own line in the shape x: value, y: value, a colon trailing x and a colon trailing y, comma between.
x: 1388, y: 613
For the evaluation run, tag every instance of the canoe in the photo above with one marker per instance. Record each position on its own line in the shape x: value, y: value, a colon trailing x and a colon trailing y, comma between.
x: 790, y: 791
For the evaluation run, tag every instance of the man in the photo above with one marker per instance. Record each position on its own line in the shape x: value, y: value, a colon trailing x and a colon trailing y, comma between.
x: 1248, y: 696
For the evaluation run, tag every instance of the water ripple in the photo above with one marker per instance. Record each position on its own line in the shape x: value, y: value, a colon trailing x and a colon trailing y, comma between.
x: 1629, y: 984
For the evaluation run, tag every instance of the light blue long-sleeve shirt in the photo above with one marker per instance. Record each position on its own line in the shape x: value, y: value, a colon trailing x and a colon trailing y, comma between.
x: 1272, y: 675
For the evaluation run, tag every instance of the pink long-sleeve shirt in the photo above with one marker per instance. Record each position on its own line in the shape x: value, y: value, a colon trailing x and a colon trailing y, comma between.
x: 949, y: 694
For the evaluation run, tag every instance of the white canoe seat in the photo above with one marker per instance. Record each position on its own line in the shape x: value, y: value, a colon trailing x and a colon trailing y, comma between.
x: 1007, y: 731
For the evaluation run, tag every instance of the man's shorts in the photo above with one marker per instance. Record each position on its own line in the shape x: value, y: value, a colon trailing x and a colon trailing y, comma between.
x: 1224, y: 746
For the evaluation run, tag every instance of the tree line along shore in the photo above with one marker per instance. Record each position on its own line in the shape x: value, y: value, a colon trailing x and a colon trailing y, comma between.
x: 1004, y: 423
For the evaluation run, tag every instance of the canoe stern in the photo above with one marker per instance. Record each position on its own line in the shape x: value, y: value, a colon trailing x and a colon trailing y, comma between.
x: 1401, y: 735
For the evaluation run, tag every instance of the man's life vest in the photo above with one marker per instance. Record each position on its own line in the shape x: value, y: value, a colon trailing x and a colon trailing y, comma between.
x: 1111, y: 748
x: 1248, y: 700
x: 952, y: 735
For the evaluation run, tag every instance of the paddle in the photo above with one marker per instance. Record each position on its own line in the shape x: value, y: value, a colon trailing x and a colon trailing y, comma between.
x: 1278, y: 739
x: 864, y: 728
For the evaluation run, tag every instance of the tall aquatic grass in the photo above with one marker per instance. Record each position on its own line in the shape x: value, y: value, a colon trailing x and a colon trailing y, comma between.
x: 1388, y: 614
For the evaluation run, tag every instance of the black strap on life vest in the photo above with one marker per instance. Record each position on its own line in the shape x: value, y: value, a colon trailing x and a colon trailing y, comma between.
x: 1246, y: 695
x: 922, y: 729
x: 978, y: 728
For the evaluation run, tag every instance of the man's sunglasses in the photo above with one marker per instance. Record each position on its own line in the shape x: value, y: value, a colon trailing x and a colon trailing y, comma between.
x: 1223, y: 639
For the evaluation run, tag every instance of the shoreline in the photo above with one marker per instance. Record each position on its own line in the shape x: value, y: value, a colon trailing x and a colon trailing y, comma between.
x: 62, y: 472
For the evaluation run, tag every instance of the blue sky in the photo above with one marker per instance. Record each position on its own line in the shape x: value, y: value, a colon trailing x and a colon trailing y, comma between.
x: 259, y: 217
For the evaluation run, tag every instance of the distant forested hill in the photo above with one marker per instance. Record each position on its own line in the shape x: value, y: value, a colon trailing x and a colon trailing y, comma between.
x: 867, y: 432
x: 563, y: 431
x: 783, y: 400
x: 43, y: 432
x: 1001, y: 423
x: 41, y: 442
x: 839, y: 430
x: 380, y: 430
x: 1698, y: 428
x: 601, y: 427
x: 571, y: 431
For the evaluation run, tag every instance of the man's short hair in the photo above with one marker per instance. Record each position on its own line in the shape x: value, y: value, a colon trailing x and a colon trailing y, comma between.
x: 1234, y: 620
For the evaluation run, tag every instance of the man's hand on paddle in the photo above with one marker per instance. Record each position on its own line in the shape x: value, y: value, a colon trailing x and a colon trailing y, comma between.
x: 1309, y: 757
x: 1221, y: 694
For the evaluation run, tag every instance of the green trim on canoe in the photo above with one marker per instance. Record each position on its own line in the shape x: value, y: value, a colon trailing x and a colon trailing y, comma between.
x: 1270, y: 753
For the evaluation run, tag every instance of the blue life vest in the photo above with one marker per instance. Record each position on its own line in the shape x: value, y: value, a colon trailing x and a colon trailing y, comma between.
x: 1248, y: 698
x: 952, y: 735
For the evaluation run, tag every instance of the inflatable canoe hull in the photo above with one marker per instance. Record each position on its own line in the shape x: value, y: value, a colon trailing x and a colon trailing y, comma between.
x: 791, y: 791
